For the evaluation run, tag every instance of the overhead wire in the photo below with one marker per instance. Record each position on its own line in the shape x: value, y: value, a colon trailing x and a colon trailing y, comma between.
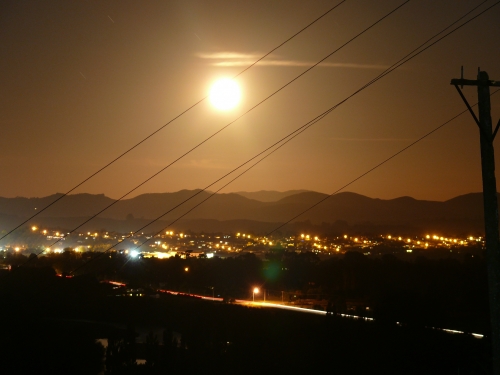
x: 226, y: 126
x: 304, y: 127
x: 168, y: 123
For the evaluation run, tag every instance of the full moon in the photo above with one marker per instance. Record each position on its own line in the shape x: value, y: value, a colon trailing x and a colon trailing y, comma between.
x: 225, y: 94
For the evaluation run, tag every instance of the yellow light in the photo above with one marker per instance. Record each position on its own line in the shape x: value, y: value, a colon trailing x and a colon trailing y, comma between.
x: 427, y: 236
x: 256, y: 290
x: 471, y: 238
x: 44, y: 231
x: 315, y: 238
x: 399, y: 238
x: 308, y: 237
x: 225, y: 94
x: 356, y: 239
x: 409, y: 240
x: 34, y: 228
x: 186, y: 269
x: 302, y: 235
x: 17, y: 249
x: 389, y: 236
x: 345, y: 235
x: 237, y: 234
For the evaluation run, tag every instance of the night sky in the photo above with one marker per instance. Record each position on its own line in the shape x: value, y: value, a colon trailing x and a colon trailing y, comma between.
x: 82, y: 81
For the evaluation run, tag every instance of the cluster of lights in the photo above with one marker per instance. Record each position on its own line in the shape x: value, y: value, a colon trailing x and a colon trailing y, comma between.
x: 34, y: 228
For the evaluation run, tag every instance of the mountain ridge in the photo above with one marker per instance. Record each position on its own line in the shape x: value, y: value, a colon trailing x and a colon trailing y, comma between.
x: 355, y: 209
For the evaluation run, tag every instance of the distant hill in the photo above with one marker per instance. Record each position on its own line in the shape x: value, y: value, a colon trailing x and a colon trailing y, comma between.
x: 460, y: 214
x: 268, y: 195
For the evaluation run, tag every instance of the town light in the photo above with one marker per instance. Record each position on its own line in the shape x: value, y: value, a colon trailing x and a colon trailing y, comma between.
x: 255, y: 291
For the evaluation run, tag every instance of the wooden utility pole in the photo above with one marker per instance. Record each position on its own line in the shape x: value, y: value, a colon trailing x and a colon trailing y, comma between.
x: 492, y: 238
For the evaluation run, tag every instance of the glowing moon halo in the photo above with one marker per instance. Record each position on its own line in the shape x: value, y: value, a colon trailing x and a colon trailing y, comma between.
x: 225, y: 94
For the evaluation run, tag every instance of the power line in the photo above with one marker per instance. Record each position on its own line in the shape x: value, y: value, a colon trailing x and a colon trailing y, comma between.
x: 319, y: 202
x: 304, y: 127
x: 201, y: 191
x: 324, y: 114
x: 232, y: 122
x: 168, y: 123
x: 371, y: 169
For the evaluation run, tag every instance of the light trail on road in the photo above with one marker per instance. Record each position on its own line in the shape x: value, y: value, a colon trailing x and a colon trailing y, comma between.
x: 249, y: 303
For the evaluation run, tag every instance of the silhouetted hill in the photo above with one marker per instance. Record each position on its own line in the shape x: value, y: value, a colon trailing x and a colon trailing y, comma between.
x: 463, y: 213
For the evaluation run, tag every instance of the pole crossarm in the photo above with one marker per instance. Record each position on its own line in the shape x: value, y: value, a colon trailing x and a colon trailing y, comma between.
x: 468, y: 106
x: 471, y: 82
x: 496, y: 129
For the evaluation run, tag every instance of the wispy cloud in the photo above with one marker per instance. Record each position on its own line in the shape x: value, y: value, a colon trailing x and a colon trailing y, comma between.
x: 228, y: 55
x: 373, y: 139
x: 294, y: 63
x: 236, y: 59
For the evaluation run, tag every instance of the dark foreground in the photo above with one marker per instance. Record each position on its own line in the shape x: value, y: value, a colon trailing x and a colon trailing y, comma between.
x: 50, y: 325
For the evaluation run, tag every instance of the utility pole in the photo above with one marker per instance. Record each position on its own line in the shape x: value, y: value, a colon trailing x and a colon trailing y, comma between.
x: 492, y: 239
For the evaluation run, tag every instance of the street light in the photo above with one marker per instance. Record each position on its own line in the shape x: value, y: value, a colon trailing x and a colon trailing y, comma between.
x: 255, y: 290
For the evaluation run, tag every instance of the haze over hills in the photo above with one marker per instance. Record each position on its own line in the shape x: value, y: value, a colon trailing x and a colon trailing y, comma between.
x: 234, y: 210
x: 268, y: 195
